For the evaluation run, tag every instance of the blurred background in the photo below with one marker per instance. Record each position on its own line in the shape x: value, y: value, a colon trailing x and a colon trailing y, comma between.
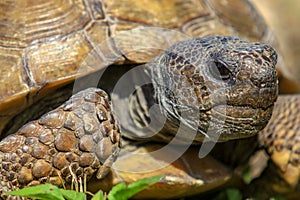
x: 283, y: 16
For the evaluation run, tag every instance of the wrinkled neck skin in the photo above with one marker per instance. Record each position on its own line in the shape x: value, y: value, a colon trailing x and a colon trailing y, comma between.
x: 138, y: 110
x: 147, y: 113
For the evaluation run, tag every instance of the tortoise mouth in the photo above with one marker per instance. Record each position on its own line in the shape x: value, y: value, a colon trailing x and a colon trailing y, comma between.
x: 237, y: 122
x: 225, y: 122
x: 243, y: 113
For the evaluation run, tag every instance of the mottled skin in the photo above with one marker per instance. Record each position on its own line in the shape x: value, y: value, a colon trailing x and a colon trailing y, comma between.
x: 82, y: 133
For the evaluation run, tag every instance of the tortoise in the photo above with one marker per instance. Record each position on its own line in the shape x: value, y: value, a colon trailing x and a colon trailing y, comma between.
x: 53, y: 42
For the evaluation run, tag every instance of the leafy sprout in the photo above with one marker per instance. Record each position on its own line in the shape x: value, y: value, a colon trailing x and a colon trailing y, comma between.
x: 118, y: 192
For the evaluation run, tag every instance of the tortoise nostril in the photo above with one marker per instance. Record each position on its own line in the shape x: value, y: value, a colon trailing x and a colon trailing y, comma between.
x: 274, y: 57
x: 270, y: 54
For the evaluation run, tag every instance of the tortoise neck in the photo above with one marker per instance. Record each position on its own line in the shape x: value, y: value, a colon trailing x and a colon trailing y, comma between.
x: 146, y: 113
x: 138, y: 107
x: 140, y: 103
x: 133, y: 101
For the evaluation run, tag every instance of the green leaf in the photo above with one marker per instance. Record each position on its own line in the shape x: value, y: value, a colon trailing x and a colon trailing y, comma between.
x: 114, y: 192
x: 229, y: 194
x: 246, y: 174
x: 73, y: 195
x: 234, y: 194
x: 98, y: 196
x: 42, y: 192
x: 121, y: 192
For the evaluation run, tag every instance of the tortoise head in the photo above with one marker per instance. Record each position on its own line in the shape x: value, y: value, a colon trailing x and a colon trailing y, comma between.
x: 217, y: 83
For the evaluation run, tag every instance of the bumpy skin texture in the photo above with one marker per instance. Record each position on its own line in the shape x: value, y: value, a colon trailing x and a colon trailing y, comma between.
x: 282, y: 138
x: 81, y: 135
x: 217, y: 83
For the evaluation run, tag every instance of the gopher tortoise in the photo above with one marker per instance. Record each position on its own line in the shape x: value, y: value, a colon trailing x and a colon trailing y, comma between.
x: 178, y: 76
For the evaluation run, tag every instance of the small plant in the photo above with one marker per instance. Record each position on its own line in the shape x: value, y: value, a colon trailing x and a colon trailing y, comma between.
x: 230, y: 194
x: 118, y: 192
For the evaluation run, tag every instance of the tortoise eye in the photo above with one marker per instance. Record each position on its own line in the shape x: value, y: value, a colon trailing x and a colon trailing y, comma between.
x: 220, y: 71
